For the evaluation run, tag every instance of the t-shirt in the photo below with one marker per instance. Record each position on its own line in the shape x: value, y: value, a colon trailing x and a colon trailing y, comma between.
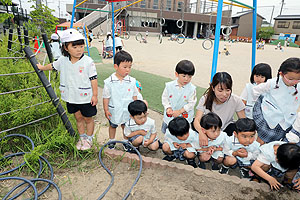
x: 118, y: 42
x: 225, y: 110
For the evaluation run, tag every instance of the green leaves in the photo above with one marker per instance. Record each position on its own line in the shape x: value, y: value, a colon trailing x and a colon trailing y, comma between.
x: 265, y: 32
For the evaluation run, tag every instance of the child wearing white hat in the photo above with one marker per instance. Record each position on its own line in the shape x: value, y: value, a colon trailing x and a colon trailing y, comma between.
x: 55, y: 46
x: 78, y: 84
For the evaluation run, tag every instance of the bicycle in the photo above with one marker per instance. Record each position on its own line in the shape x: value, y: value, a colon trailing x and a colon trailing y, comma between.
x: 179, y: 38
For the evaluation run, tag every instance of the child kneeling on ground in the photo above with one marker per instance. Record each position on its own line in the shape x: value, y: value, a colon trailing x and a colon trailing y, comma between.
x: 276, y: 160
x: 241, y: 149
x: 211, y: 125
x: 140, y: 129
x: 180, y: 141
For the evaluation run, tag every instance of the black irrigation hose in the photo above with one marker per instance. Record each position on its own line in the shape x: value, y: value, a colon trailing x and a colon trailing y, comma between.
x: 30, y: 182
x: 22, y: 179
x: 112, y: 176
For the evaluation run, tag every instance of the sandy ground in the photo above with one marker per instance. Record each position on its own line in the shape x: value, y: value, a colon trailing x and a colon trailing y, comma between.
x: 161, y: 59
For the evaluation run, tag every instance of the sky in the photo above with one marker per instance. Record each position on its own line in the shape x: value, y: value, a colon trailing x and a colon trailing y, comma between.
x: 264, y: 7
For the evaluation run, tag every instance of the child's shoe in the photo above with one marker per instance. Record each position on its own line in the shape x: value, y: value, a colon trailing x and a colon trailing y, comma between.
x: 201, y: 165
x: 86, y: 144
x: 112, y: 144
x: 215, y: 166
x: 224, y: 169
x: 244, y: 172
x: 191, y: 162
x: 79, y: 144
x: 169, y: 158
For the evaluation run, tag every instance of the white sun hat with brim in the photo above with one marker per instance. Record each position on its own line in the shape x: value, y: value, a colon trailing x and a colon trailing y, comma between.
x: 54, y: 36
x: 71, y: 35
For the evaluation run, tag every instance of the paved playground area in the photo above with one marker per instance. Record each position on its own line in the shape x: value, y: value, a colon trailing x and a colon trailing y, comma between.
x: 161, y: 59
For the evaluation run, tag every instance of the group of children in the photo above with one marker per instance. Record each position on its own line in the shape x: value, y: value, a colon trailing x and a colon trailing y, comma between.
x: 263, y: 142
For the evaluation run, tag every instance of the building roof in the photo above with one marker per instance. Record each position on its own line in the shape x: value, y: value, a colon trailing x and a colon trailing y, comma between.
x: 239, y: 14
x: 284, y: 17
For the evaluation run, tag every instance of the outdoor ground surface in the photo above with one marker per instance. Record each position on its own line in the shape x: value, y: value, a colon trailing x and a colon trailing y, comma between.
x: 89, y: 180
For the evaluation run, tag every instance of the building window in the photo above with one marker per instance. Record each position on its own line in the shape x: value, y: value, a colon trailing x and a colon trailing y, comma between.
x: 296, y: 25
x: 233, y: 20
x: 283, y: 24
x: 155, y: 4
x: 143, y: 4
x: 180, y: 5
x: 169, y: 4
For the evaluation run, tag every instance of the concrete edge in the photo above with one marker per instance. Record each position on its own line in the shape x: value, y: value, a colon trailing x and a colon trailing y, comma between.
x: 149, y: 162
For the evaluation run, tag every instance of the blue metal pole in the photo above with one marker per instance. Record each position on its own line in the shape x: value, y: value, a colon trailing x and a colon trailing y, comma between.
x: 73, y: 13
x: 254, y: 34
x: 86, y: 40
x: 113, y: 27
x: 217, y: 40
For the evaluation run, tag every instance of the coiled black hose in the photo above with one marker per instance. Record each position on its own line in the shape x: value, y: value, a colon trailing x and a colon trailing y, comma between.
x: 32, y: 181
x: 112, y: 176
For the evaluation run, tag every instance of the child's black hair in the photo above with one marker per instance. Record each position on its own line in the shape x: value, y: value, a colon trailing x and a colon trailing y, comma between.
x: 245, y: 125
x: 224, y: 79
x: 211, y: 120
x: 288, y: 156
x: 65, y: 45
x: 137, y: 107
x: 185, y: 67
x: 179, y: 126
x: 289, y: 65
x: 122, y: 56
x: 262, y: 69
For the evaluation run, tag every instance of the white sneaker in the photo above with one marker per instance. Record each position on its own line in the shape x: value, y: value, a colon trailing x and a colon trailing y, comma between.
x: 86, y: 144
x: 80, y: 143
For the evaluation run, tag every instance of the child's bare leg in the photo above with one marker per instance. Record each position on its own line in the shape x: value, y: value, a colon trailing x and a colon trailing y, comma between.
x: 138, y: 141
x: 154, y: 146
x: 123, y: 127
x: 204, y: 157
x: 229, y: 161
x: 219, y: 160
x: 189, y: 155
x: 166, y: 148
x: 80, y: 122
x: 112, y: 132
x: 90, y: 125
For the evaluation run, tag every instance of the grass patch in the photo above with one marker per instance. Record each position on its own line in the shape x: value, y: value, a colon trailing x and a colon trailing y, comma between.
x: 153, y: 85
x: 94, y: 54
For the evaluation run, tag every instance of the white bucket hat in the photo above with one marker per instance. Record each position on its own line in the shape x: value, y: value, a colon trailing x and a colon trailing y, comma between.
x: 54, y: 36
x: 71, y: 35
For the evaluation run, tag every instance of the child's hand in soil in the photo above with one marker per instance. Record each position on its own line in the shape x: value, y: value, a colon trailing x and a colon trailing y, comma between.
x: 297, y: 184
x: 274, y: 184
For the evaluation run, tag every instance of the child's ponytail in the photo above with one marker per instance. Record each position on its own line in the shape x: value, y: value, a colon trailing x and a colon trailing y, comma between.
x: 289, y: 65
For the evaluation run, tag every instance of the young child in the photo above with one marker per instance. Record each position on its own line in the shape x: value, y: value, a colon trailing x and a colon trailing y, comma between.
x: 55, y: 46
x: 180, y: 141
x: 140, y: 129
x: 275, y: 110
x: 179, y: 96
x: 109, y: 44
x: 241, y: 149
x: 78, y: 84
x: 118, y: 42
x: 119, y: 90
x: 274, y: 160
x: 211, y: 126
x: 219, y: 99
x: 260, y: 74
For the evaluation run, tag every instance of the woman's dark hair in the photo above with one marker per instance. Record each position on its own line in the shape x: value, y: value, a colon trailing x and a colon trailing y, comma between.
x: 262, y: 69
x: 289, y: 65
x: 288, y: 156
x: 65, y: 45
x: 222, y: 78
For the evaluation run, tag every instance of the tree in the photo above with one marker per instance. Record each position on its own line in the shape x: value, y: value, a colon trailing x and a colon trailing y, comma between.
x: 42, y: 20
x: 265, y: 32
x: 5, y: 16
